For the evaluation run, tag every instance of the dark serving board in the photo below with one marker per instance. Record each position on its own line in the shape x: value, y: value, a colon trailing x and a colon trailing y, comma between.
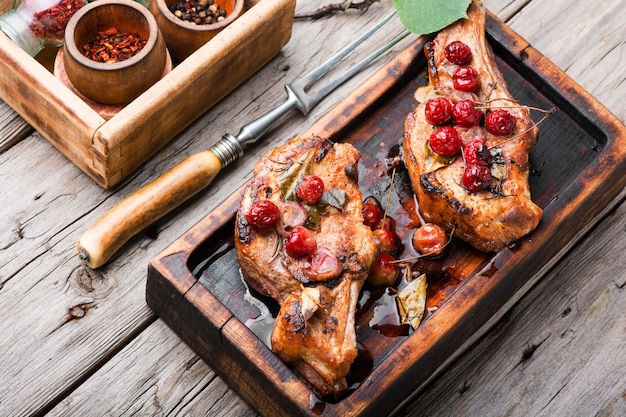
x: 579, y: 166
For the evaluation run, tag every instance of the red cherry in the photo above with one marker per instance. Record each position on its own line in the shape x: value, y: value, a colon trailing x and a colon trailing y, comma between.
x: 310, y: 189
x: 388, y: 223
x: 384, y: 271
x: 263, y: 215
x: 429, y: 239
x: 323, y: 266
x: 300, y: 243
x: 466, y: 114
x: 466, y: 79
x: 372, y: 212
x: 445, y: 141
x: 476, y: 178
x: 499, y: 122
x: 438, y: 111
x: 458, y: 53
x: 476, y: 152
x: 388, y: 240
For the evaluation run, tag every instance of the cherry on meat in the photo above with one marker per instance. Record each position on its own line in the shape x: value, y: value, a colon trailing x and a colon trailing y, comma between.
x: 438, y: 111
x: 466, y: 114
x: 445, y: 141
x: 476, y: 152
x: 429, y: 239
x: 263, y: 215
x: 499, y: 122
x: 476, y: 178
x: 388, y: 241
x: 384, y: 271
x: 310, y: 189
x: 300, y: 243
x: 466, y: 79
x: 388, y: 223
x: 372, y: 212
x: 458, y: 53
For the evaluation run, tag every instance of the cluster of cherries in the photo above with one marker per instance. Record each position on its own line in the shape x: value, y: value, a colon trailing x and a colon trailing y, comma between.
x: 440, y: 111
x: 264, y: 215
x: 385, y: 270
x: 428, y: 239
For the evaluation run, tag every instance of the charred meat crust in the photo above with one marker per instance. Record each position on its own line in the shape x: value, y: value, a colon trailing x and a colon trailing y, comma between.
x: 314, y: 331
x: 489, y: 219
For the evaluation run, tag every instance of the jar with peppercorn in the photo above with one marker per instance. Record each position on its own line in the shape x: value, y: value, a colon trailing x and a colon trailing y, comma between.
x: 36, y: 24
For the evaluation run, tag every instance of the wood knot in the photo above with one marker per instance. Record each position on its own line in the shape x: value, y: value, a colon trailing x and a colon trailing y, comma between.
x: 79, y: 311
x: 91, y: 282
x: 528, y: 351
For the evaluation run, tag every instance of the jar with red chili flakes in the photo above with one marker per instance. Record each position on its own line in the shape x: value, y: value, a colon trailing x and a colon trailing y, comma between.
x: 37, y: 24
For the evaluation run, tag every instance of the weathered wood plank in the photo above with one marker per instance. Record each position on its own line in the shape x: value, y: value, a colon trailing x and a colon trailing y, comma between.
x: 49, y: 354
x: 76, y: 318
x: 540, y: 358
x: 12, y: 127
x: 174, y: 382
x: 586, y: 42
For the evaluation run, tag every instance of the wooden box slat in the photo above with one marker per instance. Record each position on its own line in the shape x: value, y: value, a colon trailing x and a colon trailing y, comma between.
x: 580, y: 164
x: 109, y: 150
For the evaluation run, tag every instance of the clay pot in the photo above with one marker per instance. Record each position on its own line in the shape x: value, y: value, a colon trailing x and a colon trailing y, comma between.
x: 184, y: 38
x: 116, y: 82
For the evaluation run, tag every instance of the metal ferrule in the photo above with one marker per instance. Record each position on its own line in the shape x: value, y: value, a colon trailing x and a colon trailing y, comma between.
x: 227, y: 149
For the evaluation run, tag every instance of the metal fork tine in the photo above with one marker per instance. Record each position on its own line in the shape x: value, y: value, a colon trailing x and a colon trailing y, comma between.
x: 304, y: 81
x: 310, y: 100
x: 230, y: 147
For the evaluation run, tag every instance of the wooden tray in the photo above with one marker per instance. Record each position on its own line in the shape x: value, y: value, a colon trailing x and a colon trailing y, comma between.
x: 579, y: 166
x: 109, y: 149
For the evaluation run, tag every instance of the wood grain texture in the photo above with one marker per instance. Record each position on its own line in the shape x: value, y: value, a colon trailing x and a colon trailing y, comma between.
x: 12, y: 127
x: 98, y: 361
x: 109, y: 150
x: 485, y: 283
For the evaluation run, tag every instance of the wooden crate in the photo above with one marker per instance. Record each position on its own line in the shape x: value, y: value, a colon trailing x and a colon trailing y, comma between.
x: 109, y: 149
x: 580, y: 164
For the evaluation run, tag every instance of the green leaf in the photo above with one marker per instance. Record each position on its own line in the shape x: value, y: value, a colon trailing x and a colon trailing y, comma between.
x: 289, y: 180
x: 335, y: 197
x: 434, y: 161
x: 314, y: 219
x: 427, y: 16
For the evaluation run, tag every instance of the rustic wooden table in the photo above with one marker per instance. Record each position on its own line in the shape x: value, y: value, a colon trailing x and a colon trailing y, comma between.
x: 75, y: 341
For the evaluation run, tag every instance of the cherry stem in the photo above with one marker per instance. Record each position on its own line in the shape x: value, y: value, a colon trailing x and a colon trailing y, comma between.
x: 545, y: 116
x: 417, y: 210
x: 549, y: 111
x: 393, y: 175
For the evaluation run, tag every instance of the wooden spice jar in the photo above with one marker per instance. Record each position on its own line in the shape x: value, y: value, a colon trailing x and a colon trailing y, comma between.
x: 184, y: 37
x: 124, y: 80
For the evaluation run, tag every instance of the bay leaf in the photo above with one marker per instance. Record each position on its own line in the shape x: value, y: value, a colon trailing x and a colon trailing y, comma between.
x: 411, y: 301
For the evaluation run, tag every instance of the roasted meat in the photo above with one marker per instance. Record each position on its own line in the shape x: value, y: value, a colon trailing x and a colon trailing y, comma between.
x: 491, y: 207
x: 317, y: 279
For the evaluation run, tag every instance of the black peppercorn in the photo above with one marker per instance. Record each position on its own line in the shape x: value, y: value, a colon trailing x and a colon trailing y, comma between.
x: 199, y: 12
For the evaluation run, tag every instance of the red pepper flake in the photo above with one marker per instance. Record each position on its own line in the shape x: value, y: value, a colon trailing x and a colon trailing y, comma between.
x: 111, y: 45
x: 50, y: 23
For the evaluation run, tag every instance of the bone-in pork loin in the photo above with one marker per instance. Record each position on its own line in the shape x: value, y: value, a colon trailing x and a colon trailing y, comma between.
x: 316, y: 276
x: 491, y: 207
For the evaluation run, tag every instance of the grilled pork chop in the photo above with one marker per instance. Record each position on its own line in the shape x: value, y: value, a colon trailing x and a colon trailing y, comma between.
x: 317, y: 289
x: 501, y: 210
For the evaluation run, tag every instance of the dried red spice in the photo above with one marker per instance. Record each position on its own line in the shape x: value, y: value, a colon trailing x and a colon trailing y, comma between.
x: 111, y: 45
x: 50, y: 23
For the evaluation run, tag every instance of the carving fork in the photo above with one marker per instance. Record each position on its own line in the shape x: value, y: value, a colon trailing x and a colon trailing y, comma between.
x: 196, y: 172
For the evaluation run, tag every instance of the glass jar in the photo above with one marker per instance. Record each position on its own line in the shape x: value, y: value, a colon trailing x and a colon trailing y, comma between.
x: 36, y: 24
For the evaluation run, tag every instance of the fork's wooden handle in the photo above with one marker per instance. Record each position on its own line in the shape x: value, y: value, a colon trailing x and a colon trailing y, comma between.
x: 145, y: 206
